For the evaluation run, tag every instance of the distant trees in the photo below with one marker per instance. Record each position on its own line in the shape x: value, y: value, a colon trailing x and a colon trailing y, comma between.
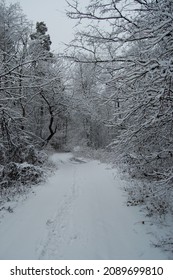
x: 85, y: 109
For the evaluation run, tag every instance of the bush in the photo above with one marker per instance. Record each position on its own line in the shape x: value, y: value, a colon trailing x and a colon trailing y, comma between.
x: 23, y: 173
x: 156, y: 198
x: 25, y: 153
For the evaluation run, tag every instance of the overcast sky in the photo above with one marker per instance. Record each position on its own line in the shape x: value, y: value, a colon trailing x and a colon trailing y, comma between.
x: 52, y: 12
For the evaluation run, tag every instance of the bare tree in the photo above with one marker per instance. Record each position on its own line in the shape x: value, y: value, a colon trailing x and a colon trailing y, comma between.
x: 132, y: 41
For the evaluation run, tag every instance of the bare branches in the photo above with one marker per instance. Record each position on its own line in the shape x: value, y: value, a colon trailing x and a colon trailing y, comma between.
x: 132, y: 44
x: 98, y: 12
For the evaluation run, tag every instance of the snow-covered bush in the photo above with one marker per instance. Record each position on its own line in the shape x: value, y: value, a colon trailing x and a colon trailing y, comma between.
x: 25, y: 153
x: 16, y: 173
x: 154, y: 197
x: 21, y: 165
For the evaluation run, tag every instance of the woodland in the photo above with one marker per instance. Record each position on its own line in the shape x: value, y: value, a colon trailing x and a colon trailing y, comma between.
x: 110, y: 92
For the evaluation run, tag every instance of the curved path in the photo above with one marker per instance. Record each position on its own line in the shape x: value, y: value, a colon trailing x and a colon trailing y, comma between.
x: 79, y: 213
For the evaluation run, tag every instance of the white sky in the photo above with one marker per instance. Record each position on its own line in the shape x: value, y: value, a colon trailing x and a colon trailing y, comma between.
x: 52, y: 12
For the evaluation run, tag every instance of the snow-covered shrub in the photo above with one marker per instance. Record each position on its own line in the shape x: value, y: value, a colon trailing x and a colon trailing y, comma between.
x: 25, y: 153
x: 165, y: 244
x: 30, y: 173
x: 20, y: 164
x: 154, y: 197
x: 23, y: 173
x: 33, y: 156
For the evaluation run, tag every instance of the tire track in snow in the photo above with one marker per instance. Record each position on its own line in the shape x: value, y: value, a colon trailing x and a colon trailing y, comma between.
x: 56, y: 226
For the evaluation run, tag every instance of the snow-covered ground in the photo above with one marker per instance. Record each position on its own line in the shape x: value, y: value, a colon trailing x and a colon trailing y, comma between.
x: 79, y: 213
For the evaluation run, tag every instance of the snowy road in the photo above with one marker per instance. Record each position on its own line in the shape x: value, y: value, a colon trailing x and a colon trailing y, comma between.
x: 79, y: 213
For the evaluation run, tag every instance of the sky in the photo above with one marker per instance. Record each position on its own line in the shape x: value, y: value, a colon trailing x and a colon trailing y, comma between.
x: 52, y: 12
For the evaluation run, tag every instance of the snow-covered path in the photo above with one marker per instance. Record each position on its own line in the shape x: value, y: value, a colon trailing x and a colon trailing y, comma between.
x: 79, y: 213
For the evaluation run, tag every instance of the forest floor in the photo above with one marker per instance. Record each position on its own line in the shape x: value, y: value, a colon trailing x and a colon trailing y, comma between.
x: 80, y: 213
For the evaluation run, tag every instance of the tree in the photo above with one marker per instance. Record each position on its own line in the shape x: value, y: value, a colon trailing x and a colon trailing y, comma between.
x: 13, y: 29
x: 30, y: 82
x: 132, y: 41
x: 49, y: 81
x: 40, y: 35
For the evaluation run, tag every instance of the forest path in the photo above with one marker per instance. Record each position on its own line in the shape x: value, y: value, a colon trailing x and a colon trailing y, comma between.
x: 79, y: 213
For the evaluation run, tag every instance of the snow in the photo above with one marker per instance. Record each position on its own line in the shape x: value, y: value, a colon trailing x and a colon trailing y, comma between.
x: 79, y: 213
